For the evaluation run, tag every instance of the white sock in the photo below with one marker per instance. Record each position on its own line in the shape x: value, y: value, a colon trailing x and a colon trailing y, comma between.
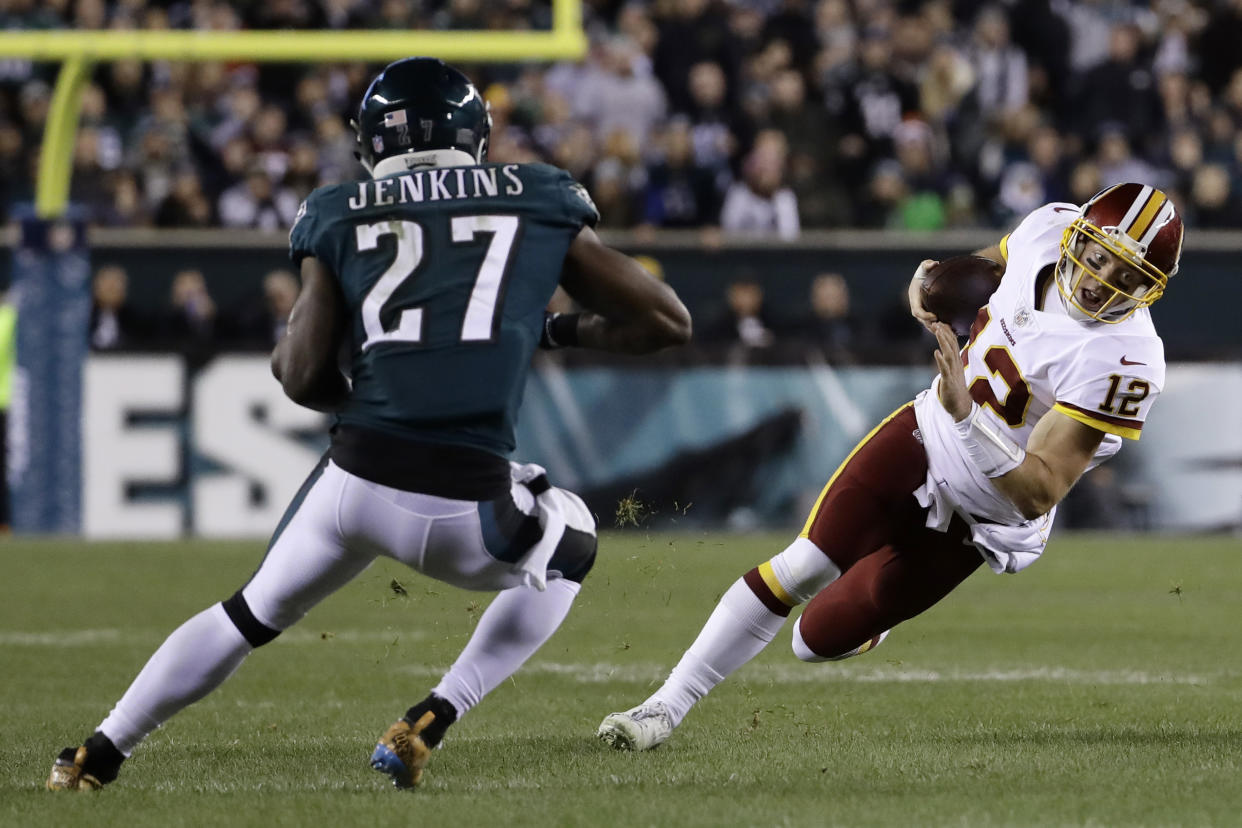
x: 516, y: 624
x: 737, y: 630
x: 193, y: 661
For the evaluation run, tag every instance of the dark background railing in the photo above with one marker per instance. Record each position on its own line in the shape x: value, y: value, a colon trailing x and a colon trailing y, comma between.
x: 1198, y: 318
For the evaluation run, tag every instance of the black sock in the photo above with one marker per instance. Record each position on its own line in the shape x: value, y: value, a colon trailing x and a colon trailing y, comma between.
x: 103, y: 760
x: 446, y: 714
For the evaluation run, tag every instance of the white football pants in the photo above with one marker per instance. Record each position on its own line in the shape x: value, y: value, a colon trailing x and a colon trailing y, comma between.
x: 344, y: 522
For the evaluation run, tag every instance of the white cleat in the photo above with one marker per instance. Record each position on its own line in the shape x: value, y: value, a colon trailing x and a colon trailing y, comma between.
x: 639, y: 728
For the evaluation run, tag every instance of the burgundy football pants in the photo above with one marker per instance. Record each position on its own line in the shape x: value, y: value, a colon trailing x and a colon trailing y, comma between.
x: 869, y: 523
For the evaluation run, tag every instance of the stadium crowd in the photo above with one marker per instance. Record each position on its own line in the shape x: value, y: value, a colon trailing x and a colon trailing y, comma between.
x: 754, y: 115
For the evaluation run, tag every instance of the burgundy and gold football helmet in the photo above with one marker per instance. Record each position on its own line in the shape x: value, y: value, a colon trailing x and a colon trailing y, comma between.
x: 1140, y: 226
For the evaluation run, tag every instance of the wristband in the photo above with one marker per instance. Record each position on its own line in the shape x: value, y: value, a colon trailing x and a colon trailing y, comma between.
x: 994, y: 453
x: 560, y: 330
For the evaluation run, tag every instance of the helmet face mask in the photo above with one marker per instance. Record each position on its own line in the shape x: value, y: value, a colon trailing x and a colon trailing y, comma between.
x: 418, y: 105
x: 1119, y: 254
x: 1088, y: 270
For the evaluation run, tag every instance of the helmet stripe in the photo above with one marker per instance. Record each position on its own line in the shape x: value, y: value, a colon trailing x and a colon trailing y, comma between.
x: 1162, y: 218
x: 1127, y: 221
x: 1147, y: 217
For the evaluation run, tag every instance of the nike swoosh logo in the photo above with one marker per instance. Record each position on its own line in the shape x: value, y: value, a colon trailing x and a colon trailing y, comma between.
x: 1125, y: 361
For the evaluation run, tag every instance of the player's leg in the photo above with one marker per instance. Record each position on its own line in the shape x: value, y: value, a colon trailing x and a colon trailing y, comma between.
x: 305, y: 562
x: 481, y: 549
x: 891, y: 585
x: 849, y: 520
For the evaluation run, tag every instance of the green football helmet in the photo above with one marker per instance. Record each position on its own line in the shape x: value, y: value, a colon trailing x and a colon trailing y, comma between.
x: 420, y: 104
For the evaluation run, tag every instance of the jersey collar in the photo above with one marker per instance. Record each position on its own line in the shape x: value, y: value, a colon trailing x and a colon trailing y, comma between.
x: 427, y: 158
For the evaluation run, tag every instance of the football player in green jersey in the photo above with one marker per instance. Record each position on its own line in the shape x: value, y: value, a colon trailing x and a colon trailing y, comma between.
x: 423, y: 300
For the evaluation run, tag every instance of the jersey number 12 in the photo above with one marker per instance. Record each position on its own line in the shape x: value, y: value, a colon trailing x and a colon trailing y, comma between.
x: 482, y: 311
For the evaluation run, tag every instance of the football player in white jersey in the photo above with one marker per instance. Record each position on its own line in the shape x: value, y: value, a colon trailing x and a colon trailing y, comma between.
x: 1062, y: 364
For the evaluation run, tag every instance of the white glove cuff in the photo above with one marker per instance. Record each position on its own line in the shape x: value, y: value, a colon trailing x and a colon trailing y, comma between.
x: 993, y: 452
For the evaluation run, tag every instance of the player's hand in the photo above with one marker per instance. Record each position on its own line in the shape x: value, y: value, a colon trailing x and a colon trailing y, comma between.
x: 926, y: 318
x: 954, y: 395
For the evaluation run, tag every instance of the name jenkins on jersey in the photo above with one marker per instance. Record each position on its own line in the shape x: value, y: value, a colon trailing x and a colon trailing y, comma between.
x: 445, y: 184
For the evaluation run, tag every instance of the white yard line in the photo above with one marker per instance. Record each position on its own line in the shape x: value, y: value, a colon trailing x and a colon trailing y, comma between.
x: 602, y: 673
x: 645, y: 673
x: 90, y: 638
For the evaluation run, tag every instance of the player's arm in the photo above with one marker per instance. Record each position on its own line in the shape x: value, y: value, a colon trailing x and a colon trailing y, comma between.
x: 1034, y: 479
x: 628, y: 309
x: 304, y: 360
x: 996, y: 252
x: 925, y: 317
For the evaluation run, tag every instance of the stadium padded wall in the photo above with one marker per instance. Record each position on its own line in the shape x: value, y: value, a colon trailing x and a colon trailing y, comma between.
x: 220, y: 452
x: 51, y: 282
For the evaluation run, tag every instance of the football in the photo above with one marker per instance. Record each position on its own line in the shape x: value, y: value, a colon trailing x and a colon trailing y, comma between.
x: 955, y: 289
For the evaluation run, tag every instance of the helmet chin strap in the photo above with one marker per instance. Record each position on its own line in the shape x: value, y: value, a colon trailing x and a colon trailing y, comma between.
x: 426, y: 158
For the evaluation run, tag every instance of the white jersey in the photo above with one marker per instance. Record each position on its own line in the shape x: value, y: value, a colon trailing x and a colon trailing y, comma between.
x: 1021, y: 363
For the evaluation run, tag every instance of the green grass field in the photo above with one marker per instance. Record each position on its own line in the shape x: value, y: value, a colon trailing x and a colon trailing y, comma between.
x: 1102, y: 687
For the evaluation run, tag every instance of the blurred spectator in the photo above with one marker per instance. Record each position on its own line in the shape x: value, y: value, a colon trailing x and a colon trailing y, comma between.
x: 1003, y: 85
x: 1121, y: 92
x: 1218, y: 52
x: 812, y: 140
x: 185, y: 205
x: 620, y: 93
x: 743, y: 320
x: 870, y: 99
x: 944, y: 86
x: 680, y: 192
x: 302, y: 169
x: 261, y: 324
x: 1039, y: 177
x: 1044, y: 37
x: 921, y: 168
x: 899, y: 340
x: 885, y: 192
x: 1092, y: 24
x: 1084, y: 182
x: 125, y: 207
x: 190, y: 323
x: 791, y: 22
x: 257, y: 203
x: 761, y: 203
x: 115, y: 324
x: 90, y: 180
x: 692, y: 32
x: 615, y: 195
x: 14, y: 181
x: 1213, y: 203
x: 1117, y: 161
x: 719, y: 126
x: 1185, y: 156
x: 1000, y: 67
x: 828, y: 324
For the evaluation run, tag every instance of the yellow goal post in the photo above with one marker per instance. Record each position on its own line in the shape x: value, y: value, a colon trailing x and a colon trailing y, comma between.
x: 78, y: 51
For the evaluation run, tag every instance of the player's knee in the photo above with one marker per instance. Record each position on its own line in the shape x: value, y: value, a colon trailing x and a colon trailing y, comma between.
x: 842, y: 651
x: 252, y: 629
x: 801, y: 570
x: 575, y: 554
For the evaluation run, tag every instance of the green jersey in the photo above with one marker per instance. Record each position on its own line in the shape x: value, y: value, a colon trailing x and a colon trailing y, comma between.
x: 445, y: 274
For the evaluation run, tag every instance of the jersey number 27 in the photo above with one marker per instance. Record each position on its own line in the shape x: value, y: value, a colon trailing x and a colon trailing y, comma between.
x: 482, y: 311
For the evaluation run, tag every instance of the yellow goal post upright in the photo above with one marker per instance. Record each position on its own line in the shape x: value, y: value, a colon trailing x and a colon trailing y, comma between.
x: 78, y: 51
